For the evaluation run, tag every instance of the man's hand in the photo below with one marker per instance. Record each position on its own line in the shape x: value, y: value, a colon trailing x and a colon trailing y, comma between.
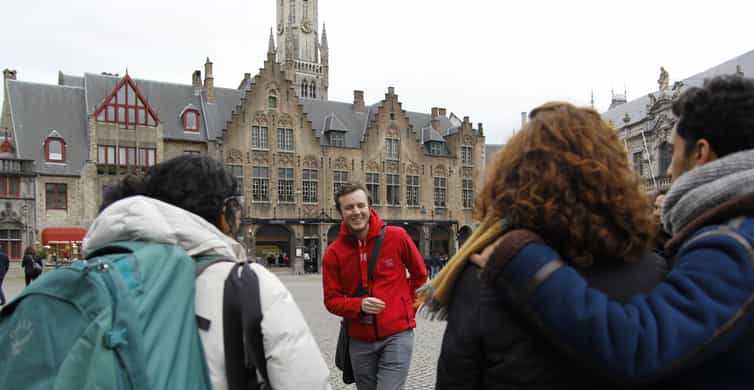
x: 481, y: 259
x: 372, y: 305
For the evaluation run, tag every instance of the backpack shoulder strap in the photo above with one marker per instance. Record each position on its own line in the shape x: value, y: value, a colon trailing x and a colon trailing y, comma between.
x: 242, y: 329
x: 376, y: 252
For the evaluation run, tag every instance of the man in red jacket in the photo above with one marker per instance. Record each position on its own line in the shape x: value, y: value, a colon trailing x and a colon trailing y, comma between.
x: 381, y: 322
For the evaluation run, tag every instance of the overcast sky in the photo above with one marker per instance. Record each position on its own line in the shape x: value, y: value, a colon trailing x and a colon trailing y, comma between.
x: 488, y: 59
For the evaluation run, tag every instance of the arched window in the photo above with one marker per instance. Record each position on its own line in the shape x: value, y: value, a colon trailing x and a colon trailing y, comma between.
x: 303, y: 88
x: 313, y: 90
x: 272, y: 99
x: 55, y: 150
x: 191, y: 120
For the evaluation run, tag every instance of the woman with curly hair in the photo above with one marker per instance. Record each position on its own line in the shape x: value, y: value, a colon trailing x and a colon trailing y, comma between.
x: 566, y: 177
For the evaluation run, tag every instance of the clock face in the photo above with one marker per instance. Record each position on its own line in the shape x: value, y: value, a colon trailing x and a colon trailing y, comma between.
x: 306, y: 26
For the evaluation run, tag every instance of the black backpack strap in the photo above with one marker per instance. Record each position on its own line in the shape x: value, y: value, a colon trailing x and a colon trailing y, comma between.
x: 242, y: 321
x: 376, y: 252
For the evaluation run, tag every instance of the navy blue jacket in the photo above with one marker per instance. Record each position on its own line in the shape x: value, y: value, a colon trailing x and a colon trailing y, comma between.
x: 695, y: 330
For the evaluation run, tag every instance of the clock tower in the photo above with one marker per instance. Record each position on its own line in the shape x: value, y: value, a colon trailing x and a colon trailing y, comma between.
x: 301, y: 51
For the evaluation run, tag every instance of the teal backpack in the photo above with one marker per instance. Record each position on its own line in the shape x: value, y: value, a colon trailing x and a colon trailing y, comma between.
x: 123, y: 319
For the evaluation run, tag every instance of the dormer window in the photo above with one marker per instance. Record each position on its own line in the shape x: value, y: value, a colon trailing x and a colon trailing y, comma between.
x: 337, y: 138
x: 55, y: 149
x: 436, y: 148
x: 272, y: 99
x: 191, y: 119
x: 6, y: 147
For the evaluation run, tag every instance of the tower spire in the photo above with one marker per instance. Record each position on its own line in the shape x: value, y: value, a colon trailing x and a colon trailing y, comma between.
x: 271, y: 46
x: 324, y: 36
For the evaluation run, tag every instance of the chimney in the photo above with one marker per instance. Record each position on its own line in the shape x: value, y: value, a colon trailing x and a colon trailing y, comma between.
x: 480, y: 129
x: 441, y: 111
x: 523, y: 119
x: 391, y: 90
x: 358, y: 101
x: 9, y: 74
x: 436, y: 118
x: 209, y: 81
x: 196, y: 81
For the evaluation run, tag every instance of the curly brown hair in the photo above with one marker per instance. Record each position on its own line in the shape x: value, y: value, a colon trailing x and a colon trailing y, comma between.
x: 565, y: 175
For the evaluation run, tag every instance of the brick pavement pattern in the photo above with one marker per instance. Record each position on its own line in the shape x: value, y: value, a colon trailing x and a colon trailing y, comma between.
x: 307, y: 290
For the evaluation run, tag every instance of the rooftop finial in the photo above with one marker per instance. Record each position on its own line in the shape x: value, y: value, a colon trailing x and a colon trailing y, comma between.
x: 271, y: 47
x: 324, y: 36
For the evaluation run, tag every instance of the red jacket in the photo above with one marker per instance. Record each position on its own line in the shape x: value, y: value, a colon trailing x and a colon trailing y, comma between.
x: 341, y: 275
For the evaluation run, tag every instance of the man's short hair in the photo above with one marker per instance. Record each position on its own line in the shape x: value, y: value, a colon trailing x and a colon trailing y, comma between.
x: 348, y: 188
x: 721, y: 112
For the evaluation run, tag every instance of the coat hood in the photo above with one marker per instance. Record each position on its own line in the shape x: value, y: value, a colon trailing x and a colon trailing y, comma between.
x: 139, y: 218
x: 375, y: 224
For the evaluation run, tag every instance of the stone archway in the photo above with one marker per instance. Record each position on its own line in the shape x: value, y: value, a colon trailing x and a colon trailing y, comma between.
x: 413, y: 232
x: 275, y: 243
x: 440, y: 240
x: 463, y: 234
x: 332, y: 233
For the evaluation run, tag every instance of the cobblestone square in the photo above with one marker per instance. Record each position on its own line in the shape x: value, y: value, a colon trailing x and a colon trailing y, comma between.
x: 307, y: 290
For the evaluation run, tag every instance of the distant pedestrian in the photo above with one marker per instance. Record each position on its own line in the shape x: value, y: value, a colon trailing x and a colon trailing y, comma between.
x: 435, y: 263
x: 31, y: 264
x: 4, y: 266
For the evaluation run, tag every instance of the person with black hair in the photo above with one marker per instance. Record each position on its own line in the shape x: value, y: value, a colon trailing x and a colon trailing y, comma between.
x: 696, y: 328
x: 193, y: 202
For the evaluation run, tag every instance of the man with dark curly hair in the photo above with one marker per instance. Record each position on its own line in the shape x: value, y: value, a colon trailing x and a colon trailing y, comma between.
x: 695, y: 329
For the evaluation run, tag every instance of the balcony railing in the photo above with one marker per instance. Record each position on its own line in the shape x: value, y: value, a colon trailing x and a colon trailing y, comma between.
x: 10, y: 166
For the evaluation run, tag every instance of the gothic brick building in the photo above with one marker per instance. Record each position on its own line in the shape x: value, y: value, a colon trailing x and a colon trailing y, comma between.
x: 646, y: 123
x: 277, y: 132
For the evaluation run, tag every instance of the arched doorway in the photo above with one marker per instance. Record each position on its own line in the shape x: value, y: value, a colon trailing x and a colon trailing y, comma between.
x: 332, y: 233
x: 413, y: 232
x: 273, y: 243
x: 440, y: 240
x: 463, y: 234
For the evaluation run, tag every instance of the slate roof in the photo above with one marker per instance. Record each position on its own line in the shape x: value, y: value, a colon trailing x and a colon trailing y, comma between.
x: 39, y: 109
x: 169, y: 100
x: 637, y: 108
x: 331, y: 115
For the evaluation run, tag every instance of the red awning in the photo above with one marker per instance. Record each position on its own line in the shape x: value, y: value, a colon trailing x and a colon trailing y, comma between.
x: 62, y: 235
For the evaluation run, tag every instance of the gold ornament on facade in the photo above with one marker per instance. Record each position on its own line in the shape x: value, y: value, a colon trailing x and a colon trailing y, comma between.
x: 285, y: 158
x: 391, y: 166
x: 412, y: 169
x: 310, y: 162
x: 306, y: 26
x: 341, y: 163
x: 260, y: 118
x: 234, y: 156
x: 260, y: 157
x: 373, y: 166
x: 285, y: 120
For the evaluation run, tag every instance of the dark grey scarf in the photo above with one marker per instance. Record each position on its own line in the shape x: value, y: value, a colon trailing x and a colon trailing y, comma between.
x: 707, y: 186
